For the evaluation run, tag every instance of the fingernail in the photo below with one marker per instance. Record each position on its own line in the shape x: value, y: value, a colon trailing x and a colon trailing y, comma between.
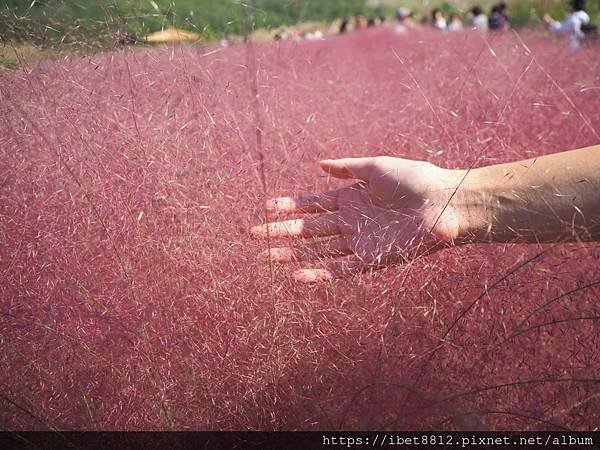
x: 277, y: 255
x: 280, y: 204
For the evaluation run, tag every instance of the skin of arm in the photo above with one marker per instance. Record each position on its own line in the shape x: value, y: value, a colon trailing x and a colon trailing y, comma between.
x: 553, y: 198
x: 400, y: 209
x: 548, y: 19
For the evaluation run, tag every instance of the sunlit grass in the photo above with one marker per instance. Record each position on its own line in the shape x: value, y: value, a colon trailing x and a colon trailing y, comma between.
x: 132, y: 296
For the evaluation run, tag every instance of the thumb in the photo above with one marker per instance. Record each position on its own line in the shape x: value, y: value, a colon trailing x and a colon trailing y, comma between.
x: 358, y: 168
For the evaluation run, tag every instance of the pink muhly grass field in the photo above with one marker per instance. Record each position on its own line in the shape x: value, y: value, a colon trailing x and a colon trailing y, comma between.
x: 131, y: 294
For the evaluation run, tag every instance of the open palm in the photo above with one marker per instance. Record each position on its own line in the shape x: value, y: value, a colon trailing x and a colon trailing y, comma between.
x: 397, y: 211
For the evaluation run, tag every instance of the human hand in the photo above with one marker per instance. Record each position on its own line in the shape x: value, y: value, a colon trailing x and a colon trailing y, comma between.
x: 547, y: 19
x: 399, y: 210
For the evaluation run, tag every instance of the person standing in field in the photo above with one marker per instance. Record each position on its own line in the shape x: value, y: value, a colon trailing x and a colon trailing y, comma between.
x: 454, y: 22
x: 438, y: 19
x: 573, y: 26
x: 478, y: 20
x: 404, y: 21
x: 499, y: 19
x: 398, y: 210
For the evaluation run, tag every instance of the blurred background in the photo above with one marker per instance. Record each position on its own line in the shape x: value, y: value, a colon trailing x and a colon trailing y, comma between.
x: 32, y: 28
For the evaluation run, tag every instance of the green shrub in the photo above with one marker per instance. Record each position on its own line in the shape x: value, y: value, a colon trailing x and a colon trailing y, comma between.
x: 66, y: 21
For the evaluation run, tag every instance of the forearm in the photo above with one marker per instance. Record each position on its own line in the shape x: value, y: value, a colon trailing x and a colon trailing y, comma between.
x: 555, y: 26
x: 547, y: 199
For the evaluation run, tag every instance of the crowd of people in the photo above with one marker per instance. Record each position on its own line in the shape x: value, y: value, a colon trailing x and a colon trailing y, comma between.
x: 576, y: 27
x: 498, y: 20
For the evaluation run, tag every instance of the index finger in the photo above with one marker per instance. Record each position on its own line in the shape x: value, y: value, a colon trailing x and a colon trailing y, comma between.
x: 309, y: 203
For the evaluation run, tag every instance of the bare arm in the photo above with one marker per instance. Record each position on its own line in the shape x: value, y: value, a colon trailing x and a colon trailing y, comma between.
x: 399, y: 209
x: 547, y: 199
x: 548, y: 20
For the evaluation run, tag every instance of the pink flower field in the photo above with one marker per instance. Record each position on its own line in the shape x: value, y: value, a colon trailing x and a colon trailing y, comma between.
x: 132, y: 296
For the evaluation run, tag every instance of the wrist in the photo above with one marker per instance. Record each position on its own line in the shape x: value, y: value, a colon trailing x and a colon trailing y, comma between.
x: 450, y: 208
x: 473, y: 204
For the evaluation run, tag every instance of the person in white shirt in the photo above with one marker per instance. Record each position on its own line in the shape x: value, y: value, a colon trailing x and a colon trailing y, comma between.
x: 572, y: 26
x: 478, y: 20
x: 454, y: 23
x: 404, y: 21
x: 438, y: 19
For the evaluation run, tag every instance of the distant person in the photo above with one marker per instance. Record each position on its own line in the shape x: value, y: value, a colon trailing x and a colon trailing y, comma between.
x: 438, y: 19
x: 479, y: 20
x: 454, y: 22
x: 404, y: 21
x: 499, y: 19
x: 573, y: 26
